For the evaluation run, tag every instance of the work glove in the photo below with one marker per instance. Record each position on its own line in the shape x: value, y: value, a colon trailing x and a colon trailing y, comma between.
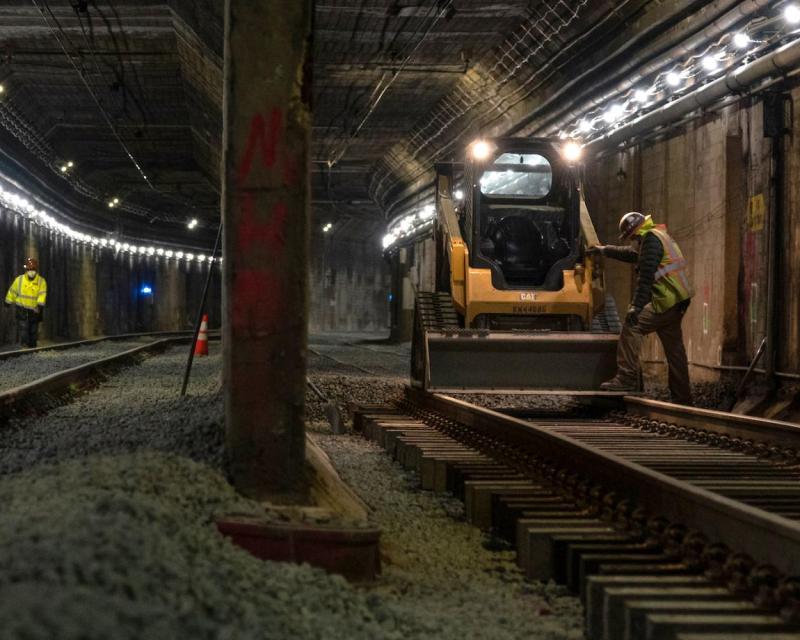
x: 596, y: 250
x: 632, y: 317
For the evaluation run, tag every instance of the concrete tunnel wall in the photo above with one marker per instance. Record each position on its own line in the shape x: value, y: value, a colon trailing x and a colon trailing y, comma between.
x: 711, y: 185
x: 92, y: 292
x: 350, y: 284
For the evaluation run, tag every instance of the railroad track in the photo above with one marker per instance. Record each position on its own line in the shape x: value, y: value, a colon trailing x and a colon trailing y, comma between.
x: 341, y: 363
x: 48, y: 391
x: 63, y: 346
x: 669, y: 522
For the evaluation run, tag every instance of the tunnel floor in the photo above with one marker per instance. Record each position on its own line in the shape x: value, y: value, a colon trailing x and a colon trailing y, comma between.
x: 109, y: 504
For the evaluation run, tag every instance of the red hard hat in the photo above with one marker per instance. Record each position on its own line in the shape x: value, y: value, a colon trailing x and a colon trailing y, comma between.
x: 31, y: 264
x: 629, y: 224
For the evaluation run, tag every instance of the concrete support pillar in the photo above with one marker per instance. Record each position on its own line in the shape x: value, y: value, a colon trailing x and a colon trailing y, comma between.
x: 266, y: 214
x: 87, y: 295
x: 402, y: 297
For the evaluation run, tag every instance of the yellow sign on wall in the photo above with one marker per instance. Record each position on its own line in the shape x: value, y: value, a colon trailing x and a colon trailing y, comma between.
x: 757, y: 213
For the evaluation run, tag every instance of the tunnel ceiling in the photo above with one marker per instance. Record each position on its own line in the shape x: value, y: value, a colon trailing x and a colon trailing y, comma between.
x: 398, y: 84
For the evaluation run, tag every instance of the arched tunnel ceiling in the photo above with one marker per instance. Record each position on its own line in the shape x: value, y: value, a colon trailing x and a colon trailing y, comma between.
x: 398, y: 84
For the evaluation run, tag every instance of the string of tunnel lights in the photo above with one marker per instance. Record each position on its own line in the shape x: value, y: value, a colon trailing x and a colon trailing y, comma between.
x: 26, y: 209
x: 411, y: 225
x: 666, y: 85
x: 677, y: 81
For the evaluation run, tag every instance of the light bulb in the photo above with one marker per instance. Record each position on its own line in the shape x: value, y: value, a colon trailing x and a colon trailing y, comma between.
x: 792, y: 14
x: 710, y: 64
x: 613, y: 113
x: 673, y: 79
x: 741, y: 40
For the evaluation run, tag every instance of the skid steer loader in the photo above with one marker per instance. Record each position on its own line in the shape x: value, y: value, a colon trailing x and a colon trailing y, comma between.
x: 518, y: 306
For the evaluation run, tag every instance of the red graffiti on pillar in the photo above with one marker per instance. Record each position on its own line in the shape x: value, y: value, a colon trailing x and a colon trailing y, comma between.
x: 254, y: 233
x: 258, y: 293
x: 263, y: 138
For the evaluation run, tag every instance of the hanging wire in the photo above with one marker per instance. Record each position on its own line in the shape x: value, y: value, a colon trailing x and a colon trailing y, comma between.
x: 82, y: 75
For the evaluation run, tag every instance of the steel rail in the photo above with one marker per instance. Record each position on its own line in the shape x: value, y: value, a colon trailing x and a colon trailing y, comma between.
x: 341, y: 362
x: 61, y: 381
x: 771, y: 432
x: 63, y: 346
x: 765, y: 536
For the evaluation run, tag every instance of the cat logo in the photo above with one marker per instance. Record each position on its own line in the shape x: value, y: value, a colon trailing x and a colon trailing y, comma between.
x: 527, y: 296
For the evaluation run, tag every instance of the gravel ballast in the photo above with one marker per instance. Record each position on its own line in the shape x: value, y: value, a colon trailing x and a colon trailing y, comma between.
x: 107, y: 531
x: 438, y: 566
x: 20, y: 370
x: 137, y: 409
x: 435, y: 564
x: 338, y: 365
x: 123, y: 547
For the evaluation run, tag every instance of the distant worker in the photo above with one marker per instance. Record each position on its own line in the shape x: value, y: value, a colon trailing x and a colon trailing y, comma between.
x: 661, y: 298
x: 28, y: 293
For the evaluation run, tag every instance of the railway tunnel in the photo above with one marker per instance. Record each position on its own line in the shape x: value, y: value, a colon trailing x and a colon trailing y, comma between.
x: 313, y: 306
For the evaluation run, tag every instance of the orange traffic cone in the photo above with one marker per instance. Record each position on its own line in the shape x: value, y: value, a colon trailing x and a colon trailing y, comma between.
x: 201, y: 348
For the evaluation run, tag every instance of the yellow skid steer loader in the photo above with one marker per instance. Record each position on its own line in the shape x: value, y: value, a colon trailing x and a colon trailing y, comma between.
x: 519, y: 306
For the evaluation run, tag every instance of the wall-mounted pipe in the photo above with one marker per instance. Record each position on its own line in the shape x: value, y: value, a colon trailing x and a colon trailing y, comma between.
x: 740, y: 80
x: 730, y: 368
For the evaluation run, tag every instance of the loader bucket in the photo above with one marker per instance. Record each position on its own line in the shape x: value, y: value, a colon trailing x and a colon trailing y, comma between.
x: 513, y: 362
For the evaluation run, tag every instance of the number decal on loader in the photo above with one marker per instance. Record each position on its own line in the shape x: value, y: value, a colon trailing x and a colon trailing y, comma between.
x: 530, y: 309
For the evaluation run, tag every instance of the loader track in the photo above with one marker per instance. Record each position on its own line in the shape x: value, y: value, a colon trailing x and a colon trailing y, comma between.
x: 661, y: 530
x: 436, y: 311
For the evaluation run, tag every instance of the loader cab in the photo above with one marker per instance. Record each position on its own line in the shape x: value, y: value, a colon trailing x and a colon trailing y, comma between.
x: 521, y: 214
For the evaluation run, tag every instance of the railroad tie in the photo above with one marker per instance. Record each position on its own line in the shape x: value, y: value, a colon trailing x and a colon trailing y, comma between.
x: 633, y: 585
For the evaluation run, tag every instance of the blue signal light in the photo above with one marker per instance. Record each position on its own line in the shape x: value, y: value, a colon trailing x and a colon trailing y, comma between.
x: 146, y: 290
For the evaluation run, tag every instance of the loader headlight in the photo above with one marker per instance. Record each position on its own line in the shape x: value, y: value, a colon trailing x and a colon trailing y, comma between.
x: 480, y: 150
x: 572, y: 152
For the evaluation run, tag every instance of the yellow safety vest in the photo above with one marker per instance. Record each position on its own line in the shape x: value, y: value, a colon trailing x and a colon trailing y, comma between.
x: 27, y: 293
x: 671, y: 285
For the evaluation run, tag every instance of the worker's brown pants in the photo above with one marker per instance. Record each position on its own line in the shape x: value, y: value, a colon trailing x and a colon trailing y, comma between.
x: 668, y: 327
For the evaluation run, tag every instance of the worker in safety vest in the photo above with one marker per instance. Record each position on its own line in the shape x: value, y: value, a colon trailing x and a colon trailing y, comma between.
x: 28, y: 293
x: 661, y: 298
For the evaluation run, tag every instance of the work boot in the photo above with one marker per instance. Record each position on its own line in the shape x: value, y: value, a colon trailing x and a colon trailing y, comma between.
x: 619, y: 384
